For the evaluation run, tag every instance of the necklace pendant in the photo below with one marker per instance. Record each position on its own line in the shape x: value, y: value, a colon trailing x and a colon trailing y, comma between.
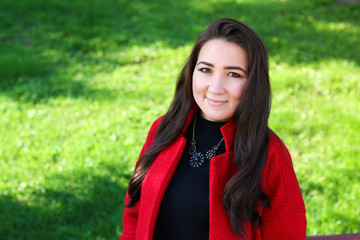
x: 197, y: 159
x: 210, y: 154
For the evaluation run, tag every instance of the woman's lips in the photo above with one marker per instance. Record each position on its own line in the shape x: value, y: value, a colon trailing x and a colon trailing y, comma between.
x: 215, y: 103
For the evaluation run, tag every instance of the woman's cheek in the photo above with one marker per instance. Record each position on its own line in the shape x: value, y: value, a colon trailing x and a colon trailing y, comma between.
x: 237, y: 89
x: 199, y: 84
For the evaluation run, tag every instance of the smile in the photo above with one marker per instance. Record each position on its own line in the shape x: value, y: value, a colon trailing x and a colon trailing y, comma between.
x: 215, y: 103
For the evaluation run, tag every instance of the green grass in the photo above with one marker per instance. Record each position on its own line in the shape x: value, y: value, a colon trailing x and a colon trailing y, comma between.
x: 81, y: 82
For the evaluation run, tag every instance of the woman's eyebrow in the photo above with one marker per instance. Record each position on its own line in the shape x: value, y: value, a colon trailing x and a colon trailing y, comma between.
x: 205, y: 63
x: 235, y: 67
x: 227, y: 67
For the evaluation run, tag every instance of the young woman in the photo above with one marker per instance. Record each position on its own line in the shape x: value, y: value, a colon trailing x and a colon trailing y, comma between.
x: 210, y: 167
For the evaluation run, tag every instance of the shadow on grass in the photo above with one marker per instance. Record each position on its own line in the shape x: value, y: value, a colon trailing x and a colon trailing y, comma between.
x: 33, y: 79
x: 298, y: 32
x: 93, y: 212
x: 86, y: 26
x: 57, y: 35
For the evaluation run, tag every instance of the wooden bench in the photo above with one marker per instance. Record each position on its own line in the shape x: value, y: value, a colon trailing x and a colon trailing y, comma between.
x: 354, y: 236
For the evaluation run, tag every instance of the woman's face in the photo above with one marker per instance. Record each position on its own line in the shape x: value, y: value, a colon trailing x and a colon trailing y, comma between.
x: 219, y: 78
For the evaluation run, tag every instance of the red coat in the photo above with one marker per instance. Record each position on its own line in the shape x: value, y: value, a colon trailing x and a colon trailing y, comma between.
x: 284, y: 220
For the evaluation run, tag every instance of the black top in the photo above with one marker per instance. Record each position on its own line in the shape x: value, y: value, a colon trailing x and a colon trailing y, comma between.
x: 184, y: 211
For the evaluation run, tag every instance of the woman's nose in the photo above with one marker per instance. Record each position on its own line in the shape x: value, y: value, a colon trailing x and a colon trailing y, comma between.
x: 217, y: 85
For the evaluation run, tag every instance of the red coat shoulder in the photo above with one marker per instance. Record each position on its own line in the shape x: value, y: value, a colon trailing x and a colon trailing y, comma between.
x: 286, y: 217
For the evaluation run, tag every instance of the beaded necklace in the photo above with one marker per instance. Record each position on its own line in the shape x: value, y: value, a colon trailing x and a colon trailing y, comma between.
x: 197, y: 159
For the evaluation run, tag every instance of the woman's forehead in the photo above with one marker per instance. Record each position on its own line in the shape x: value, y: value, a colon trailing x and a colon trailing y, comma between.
x: 222, y: 52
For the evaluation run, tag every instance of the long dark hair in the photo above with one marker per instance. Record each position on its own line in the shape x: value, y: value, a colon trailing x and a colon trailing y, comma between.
x: 242, y: 194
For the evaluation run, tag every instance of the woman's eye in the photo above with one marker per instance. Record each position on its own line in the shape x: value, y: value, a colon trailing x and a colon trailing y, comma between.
x: 205, y: 70
x: 235, y: 75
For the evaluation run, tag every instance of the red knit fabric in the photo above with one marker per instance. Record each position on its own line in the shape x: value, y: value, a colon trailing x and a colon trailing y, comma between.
x: 285, y: 219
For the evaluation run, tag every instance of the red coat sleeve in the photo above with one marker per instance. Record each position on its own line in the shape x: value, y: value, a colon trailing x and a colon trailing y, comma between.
x: 130, y: 214
x: 285, y: 219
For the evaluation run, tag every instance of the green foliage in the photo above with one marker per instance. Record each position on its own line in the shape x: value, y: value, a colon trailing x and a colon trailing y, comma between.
x: 81, y: 82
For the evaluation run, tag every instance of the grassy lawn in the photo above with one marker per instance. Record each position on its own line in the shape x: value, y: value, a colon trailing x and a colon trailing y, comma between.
x: 81, y: 82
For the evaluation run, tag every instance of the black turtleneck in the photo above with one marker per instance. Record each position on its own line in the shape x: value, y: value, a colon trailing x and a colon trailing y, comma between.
x: 184, y: 211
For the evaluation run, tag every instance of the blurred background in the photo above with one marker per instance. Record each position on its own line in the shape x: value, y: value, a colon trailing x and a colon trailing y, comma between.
x: 82, y: 81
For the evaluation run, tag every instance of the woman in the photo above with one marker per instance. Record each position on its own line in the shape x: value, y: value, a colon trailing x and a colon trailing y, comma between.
x: 210, y: 167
